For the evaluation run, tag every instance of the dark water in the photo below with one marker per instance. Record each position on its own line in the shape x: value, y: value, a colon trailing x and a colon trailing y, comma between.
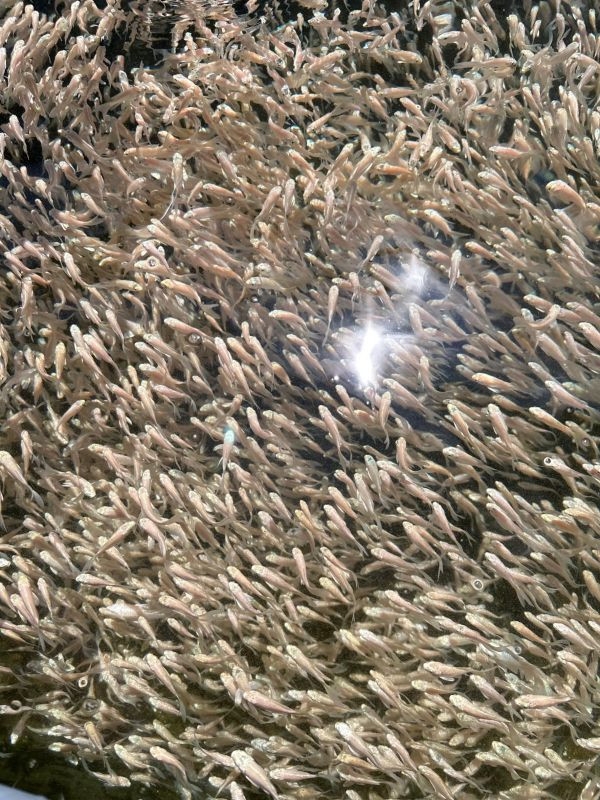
x: 31, y: 767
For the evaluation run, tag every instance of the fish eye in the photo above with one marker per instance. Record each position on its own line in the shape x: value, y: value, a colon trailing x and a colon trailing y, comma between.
x: 82, y: 682
x: 477, y: 584
x: 547, y: 461
x: 518, y: 649
x: 585, y: 442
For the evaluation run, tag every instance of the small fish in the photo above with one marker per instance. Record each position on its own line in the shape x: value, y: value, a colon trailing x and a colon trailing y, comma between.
x: 10, y: 467
x: 253, y: 772
x: 332, y: 299
x: 228, y: 442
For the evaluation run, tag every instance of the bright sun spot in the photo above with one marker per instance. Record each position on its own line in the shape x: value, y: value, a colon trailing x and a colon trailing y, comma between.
x: 364, y: 362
